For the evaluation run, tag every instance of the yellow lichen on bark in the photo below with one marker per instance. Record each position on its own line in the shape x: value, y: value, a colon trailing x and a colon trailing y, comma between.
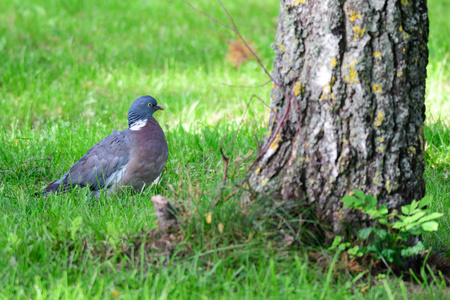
x: 354, y: 16
x: 376, y: 88
x: 358, y: 33
x: 274, y: 144
x: 421, y: 137
x: 333, y: 62
x: 379, y: 119
x: 352, y: 77
x: 282, y: 47
x: 297, y: 88
x: 388, y: 186
x: 297, y: 2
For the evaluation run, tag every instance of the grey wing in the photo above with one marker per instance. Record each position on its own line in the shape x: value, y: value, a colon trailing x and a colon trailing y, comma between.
x: 102, y: 165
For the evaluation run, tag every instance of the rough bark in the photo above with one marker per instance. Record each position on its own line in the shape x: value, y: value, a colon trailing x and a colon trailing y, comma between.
x: 354, y: 72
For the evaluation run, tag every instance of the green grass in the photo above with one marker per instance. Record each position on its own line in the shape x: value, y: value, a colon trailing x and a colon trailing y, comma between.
x: 68, y: 74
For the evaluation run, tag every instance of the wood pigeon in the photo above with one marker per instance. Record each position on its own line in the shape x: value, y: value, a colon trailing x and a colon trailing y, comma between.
x: 132, y: 158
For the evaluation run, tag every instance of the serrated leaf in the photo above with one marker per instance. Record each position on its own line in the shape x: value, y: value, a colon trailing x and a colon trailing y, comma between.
x: 353, y: 251
x: 383, y: 209
x: 425, y: 201
x: 382, y: 234
x: 364, y: 233
x: 360, y: 194
x: 398, y: 225
x: 359, y: 203
x: 432, y: 216
x: 430, y: 226
x: 370, y: 211
x: 383, y: 221
x: 401, y: 217
x: 412, y: 226
x: 337, y: 240
x: 342, y: 246
x: 415, y: 211
x: 414, y: 218
x: 372, y: 200
x: 389, y: 254
x: 414, y: 204
x: 414, y: 250
x: 415, y: 231
x: 372, y: 248
x: 405, y: 209
x: 349, y: 201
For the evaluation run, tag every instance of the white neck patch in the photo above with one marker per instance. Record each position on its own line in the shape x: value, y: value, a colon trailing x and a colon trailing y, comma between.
x: 138, y: 125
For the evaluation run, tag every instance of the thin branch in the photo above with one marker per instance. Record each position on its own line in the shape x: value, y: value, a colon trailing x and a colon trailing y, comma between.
x: 247, y: 86
x: 245, y: 114
x: 209, y: 16
x: 274, y: 135
x: 225, y: 159
x: 258, y: 143
x: 230, y: 195
x: 288, y: 98
x: 235, y: 29
x: 245, y: 43
x: 283, y: 118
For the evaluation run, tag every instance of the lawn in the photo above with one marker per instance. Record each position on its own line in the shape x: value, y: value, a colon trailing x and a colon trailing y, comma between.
x: 69, y: 72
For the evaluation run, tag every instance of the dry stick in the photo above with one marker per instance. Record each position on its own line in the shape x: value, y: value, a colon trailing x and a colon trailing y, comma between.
x: 225, y: 159
x: 258, y: 144
x: 205, y: 14
x: 262, y: 152
x: 247, y: 86
x: 245, y: 114
x: 235, y: 30
x: 273, y: 137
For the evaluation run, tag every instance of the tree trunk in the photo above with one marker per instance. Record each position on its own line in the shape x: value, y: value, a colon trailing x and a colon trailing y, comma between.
x: 349, y: 105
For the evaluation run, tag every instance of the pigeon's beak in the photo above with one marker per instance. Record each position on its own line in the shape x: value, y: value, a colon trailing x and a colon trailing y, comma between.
x: 159, y: 107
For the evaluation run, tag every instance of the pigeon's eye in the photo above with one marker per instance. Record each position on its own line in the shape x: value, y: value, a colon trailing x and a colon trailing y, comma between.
x: 149, y: 105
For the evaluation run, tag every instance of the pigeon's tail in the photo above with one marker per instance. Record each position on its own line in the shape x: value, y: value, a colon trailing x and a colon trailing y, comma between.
x: 54, y: 187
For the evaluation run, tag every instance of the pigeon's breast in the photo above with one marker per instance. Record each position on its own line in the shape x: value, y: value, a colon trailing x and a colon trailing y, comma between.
x: 148, y: 155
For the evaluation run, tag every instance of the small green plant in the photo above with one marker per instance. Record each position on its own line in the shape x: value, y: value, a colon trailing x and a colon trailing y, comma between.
x: 387, y: 237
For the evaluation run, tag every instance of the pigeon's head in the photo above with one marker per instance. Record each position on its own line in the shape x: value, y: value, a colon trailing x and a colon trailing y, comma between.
x: 142, y: 109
